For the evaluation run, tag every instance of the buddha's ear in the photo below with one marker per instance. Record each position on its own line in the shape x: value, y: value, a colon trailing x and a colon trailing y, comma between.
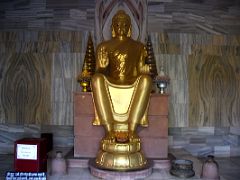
x: 129, y: 32
x: 113, y: 32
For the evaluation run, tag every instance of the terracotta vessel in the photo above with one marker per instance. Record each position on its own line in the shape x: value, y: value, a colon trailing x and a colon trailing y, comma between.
x: 59, y: 165
x: 210, y: 169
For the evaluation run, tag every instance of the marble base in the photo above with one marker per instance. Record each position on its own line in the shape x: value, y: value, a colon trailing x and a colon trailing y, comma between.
x: 163, y: 163
x: 83, y: 163
x: 108, y: 174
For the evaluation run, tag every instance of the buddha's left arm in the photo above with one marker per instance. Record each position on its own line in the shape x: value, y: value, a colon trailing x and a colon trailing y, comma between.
x: 142, y: 67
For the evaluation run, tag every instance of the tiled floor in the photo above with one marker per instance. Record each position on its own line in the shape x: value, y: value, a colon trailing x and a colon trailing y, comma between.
x: 229, y: 169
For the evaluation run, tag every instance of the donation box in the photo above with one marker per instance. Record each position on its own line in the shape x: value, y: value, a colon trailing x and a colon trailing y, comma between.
x: 30, y: 155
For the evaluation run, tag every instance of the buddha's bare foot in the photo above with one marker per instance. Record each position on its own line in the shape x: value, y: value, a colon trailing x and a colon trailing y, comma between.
x: 133, y: 136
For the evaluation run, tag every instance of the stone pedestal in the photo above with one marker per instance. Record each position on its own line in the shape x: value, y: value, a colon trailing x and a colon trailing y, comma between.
x: 87, y: 137
x: 108, y: 174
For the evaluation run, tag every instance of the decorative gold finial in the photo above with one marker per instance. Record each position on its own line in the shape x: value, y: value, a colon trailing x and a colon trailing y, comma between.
x: 90, y: 56
x: 150, y: 59
x: 88, y: 66
x: 84, y: 78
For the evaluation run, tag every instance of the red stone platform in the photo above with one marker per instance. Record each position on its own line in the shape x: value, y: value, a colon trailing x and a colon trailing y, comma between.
x: 87, y: 137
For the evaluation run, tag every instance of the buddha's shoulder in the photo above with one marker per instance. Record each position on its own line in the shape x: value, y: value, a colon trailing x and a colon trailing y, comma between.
x: 110, y: 43
x: 105, y: 43
x: 137, y: 44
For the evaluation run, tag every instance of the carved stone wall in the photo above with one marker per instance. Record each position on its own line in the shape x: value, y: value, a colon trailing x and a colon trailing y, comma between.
x: 38, y: 73
x: 204, y: 72
x: 211, y: 16
x: 25, y: 88
x: 42, y: 45
x: 214, y: 88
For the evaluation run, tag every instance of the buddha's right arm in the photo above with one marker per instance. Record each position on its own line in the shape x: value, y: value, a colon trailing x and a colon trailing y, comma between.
x: 102, y: 60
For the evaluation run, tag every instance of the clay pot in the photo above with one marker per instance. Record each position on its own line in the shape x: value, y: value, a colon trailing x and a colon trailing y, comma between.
x: 59, y: 164
x: 210, y: 169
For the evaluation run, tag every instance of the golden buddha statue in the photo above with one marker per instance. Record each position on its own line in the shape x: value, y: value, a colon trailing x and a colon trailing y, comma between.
x: 121, y: 88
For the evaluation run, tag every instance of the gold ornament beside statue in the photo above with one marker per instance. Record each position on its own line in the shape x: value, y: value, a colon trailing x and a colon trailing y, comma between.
x: 121, y: 88
x: 88, y: 67
x: 84, y: 79
x: 162, y: 81
x: 150, y: 59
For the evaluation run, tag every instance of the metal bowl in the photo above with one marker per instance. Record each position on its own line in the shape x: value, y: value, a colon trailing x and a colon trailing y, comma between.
x: 182, y: 168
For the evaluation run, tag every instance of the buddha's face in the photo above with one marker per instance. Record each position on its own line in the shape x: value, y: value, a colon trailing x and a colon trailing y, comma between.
x: 121, y: 27
x: 121, y: 24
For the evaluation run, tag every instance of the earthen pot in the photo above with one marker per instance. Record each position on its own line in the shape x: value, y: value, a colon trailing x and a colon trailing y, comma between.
x: 59, y: 165
x: 210, y: 169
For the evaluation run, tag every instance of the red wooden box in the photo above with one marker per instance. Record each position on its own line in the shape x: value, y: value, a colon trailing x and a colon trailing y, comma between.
x: 30, y: 155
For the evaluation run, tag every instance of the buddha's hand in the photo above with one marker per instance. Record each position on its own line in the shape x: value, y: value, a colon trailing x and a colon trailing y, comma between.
x: 103, y: 57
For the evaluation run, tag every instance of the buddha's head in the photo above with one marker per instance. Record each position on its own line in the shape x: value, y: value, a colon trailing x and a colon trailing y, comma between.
x: 121, y: 24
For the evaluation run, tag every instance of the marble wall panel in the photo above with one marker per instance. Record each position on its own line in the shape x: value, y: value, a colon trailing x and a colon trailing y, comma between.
x: 25, y: 88
x: 178, y: 116
x: 61, y: 53
x: 63, y: 65
x: 163, y: 16
x: 176, y: 64
x: 55, y: 60
x: 216, y: 50
x: 213, y: 90
x: 62, y: 90
x: 3, y: 62
x: 233, y: 40
x: 175, y: 67
x: 173, y: 51
x: 67, y: 66
x: 168, y: 48
x: 62, y: 113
